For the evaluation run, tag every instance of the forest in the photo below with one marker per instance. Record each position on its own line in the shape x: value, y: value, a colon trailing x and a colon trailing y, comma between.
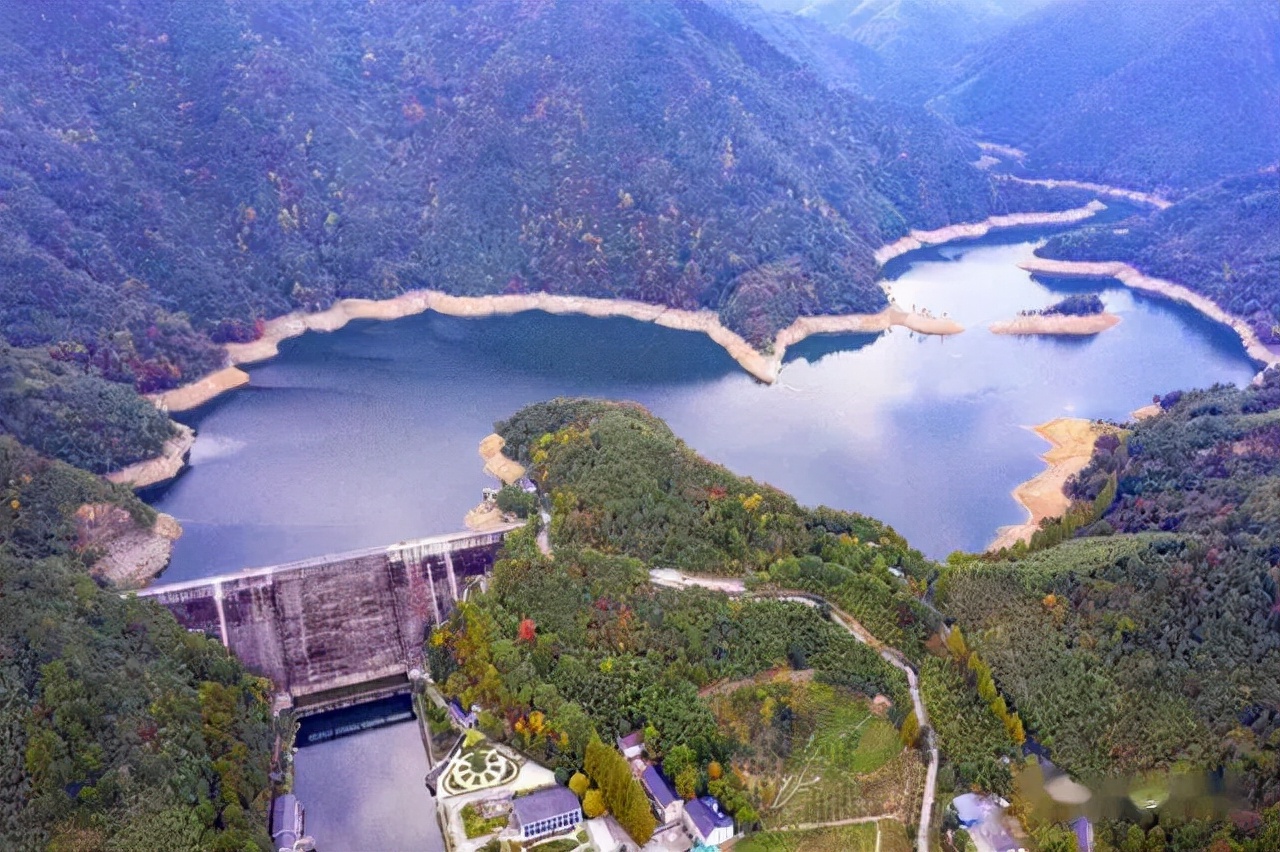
x: 562, y: 649
x: 1150, y: 640
x: 119, y: 730
x: 1222, y: 242
x: 66, y: 411
x: 1110, y: 92
x: 170, y: 176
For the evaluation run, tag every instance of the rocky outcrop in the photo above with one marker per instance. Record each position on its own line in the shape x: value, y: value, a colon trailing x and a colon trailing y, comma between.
x: 163, y: 467
x: 130, y: 555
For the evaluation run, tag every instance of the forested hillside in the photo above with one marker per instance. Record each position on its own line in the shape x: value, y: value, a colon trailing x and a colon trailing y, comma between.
x: 119, y: 730
x: 1137, y: 93
x: 65, y: 411
x: 1223, y: 242
x: 899, y: 49
x: 170, y: 173
x: 1151, y: 641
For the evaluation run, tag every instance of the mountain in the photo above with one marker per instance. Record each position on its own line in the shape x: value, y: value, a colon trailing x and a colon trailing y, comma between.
x: 169, y: 175
x: 1150, y: 640
x: 1136, y: 93
x: 1222, y: 242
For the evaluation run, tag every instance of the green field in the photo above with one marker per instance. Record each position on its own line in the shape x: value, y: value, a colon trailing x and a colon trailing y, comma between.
x: 845, y: 838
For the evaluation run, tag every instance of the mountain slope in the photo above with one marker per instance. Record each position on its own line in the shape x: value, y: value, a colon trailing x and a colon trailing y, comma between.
x: 1133, y: 92
x: 1223, y: 242
x: 160, y: 165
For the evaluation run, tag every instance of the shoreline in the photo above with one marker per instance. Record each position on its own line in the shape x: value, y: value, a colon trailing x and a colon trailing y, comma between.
x: 1056, y: 324
x: 971, y: 230
x: 1134, y: 195
x: 161, y: 468
x: 1131, y: 277
x: 764, y: 367
x: 1071, y: 441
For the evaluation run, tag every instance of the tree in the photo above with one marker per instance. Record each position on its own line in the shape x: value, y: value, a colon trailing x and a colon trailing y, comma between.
x: 678, y: 759
x: 593, y: 804
x: 579, y: 784
x: 956, y: 644
x: 528, y: 631
x: 910, y: 732
x: 715, y: 770
x: 686, y: 782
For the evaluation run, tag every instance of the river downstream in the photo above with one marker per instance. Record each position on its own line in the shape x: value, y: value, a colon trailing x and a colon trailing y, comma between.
x: 368, y: 435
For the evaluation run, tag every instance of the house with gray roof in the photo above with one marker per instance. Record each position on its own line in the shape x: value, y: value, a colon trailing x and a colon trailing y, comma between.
x: 551, y: 810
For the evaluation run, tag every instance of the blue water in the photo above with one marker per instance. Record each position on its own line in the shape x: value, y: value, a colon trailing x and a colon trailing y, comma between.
x: 368, y: 435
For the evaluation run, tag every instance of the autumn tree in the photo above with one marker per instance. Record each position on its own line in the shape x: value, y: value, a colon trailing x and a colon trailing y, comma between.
x: 593, y: 804
x: 579, y: 784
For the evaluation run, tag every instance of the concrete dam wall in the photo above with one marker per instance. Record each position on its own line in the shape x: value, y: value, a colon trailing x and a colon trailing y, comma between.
x: 340, y: 626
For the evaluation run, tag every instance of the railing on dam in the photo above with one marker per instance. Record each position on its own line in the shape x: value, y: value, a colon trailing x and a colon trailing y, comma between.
x: 330, y: 625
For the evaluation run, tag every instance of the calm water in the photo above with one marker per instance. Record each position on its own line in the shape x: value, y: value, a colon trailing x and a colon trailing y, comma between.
x: 365, y: 792
x: 368, y: 435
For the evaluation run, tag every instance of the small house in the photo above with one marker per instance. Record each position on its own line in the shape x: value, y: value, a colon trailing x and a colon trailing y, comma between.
x: 631, y: 745
x: 286, y: 822
x: 551, y: 810
x: 667, y: 804
x: 708, y: 824
x: 526, y: 485
x: 462, y: 718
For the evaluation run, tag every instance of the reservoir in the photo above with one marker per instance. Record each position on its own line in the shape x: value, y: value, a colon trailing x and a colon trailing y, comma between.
x: 368, y: 435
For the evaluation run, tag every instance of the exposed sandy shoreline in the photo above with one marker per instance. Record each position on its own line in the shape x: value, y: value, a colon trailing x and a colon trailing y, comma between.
x: 202, y: 390
x: 163, y: 467
x: 919, y: 239
x: 1131, y: 277
x: 1100, y: 188
x: 1056, y: 324
x: 1071, y: 440
x: 496, y: 462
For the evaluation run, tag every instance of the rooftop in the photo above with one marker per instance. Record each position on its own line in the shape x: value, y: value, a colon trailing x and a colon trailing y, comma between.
x: 544, y: 804
x: 658, y: 786
x: 707, y: 816
x: 631, y: 740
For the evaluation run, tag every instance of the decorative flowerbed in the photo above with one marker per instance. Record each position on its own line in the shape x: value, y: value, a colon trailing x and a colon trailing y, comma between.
x: 477, y: 768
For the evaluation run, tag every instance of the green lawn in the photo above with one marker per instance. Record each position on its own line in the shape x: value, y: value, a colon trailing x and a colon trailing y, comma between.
x: 847, y: 838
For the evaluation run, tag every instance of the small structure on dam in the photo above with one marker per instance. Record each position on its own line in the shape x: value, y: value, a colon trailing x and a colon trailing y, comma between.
x: 341, y: 629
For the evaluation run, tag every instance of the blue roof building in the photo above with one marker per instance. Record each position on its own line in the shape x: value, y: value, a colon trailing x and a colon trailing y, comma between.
x: 549, y: 811
x: 668, y: 805
x: 707, y: 823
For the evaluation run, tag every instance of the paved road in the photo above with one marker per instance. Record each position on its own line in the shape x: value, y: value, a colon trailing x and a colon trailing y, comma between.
x: 894, y: 657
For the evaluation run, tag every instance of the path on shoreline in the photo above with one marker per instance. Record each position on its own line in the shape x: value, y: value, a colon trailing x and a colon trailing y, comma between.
x: 735, y: 587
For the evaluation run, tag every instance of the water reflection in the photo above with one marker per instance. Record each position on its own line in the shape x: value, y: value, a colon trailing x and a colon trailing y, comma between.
x: 366, y: 791
x: 368, y: 435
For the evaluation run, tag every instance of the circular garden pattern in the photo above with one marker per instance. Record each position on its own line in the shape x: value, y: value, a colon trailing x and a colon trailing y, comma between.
x: 477, y: 768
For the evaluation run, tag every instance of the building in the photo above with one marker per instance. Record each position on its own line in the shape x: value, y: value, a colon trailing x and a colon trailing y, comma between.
x: 708, y: 824
x: 550, y: 810
x: 462, y: 718
x: 631, y: 745
x: 286, y: 822
x: 666, y: 803
x: 983, y: 818
x: 527, y: 485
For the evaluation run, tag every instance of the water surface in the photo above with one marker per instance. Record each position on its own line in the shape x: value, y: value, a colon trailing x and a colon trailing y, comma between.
x: 368, y: 435
x: 366, y: 792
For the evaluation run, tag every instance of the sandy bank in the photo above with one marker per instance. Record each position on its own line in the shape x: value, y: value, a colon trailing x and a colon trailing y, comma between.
x: 1131, y: 277
x: 161, y: 468
x: 1146, y: 411
x: 1056, y: 324
x: 201, y: 391
x: 1071, y: 442
x: 496, y: 462
x: 131, y: 556
x: 919, y: 239
x: 1100, y: 188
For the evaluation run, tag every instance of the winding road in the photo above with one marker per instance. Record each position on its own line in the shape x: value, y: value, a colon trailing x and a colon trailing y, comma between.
x: 678, y: 580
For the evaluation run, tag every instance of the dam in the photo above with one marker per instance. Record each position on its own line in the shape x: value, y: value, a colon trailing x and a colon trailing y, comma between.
x: 341, y: 629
